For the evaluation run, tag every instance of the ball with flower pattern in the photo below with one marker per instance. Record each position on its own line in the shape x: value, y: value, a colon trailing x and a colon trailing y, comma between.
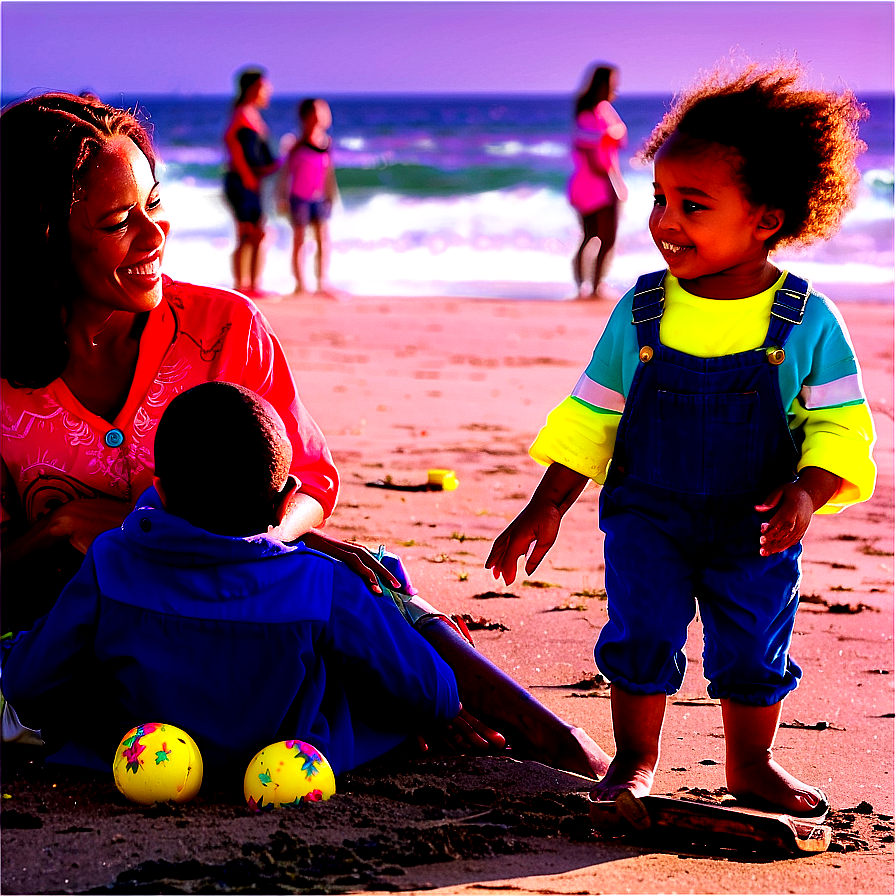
x: 157, y: 763
x: 287, y: 773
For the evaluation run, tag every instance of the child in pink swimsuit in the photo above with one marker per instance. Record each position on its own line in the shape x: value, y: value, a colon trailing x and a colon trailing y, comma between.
x: 311, y: 183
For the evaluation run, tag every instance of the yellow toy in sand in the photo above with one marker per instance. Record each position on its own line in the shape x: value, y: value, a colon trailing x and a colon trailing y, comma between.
x: 156, y: 763
x: 287, y: 773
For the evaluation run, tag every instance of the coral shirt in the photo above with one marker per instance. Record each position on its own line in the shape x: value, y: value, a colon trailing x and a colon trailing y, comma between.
x: 56, y: 450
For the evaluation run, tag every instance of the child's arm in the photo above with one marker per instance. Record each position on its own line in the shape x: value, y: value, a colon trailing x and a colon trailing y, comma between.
x: 537, y: 524
x: 282, y: 184
x: 331, y: 189
x: 795, y: 503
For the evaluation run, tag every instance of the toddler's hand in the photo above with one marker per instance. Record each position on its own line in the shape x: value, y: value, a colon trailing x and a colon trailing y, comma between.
x: 791, y: 520
x: 531, y: 534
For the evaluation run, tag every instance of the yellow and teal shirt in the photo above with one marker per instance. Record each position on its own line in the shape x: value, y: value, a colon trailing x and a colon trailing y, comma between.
x: 820, y: 383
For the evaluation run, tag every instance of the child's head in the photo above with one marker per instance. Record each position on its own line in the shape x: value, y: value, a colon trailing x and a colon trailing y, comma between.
x: 314, y: 112
x: 791, y: 149
x: 222, y: 458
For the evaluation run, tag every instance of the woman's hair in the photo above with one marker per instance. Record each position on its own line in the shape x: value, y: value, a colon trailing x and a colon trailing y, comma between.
x: 223, y: 457
x: 47, y: 144
x: 796, y: 147
x: 246, y: 79
x: 598, y: 88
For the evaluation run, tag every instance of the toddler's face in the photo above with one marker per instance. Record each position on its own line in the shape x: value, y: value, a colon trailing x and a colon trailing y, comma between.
x: 707, y: 231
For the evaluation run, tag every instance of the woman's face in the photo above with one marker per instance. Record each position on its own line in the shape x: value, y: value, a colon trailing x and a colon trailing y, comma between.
x: 262, y: 97
x: 118, y: 229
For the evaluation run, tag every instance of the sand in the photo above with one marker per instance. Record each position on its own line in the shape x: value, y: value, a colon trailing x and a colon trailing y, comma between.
x: 401, y: 386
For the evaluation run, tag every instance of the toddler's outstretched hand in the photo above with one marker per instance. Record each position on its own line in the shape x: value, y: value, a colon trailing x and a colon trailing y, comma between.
x: 794, y: 503
x: 535, y: 530
x: 532, y: 534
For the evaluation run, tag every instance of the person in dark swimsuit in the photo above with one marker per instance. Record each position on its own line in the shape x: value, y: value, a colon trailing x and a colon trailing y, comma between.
x: 249, y: 160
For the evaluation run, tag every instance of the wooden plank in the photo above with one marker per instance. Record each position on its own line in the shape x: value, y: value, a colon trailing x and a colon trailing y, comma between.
x: 673, y: 819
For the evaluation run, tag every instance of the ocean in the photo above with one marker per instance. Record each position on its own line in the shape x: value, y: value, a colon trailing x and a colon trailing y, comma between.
x: 465, y: 196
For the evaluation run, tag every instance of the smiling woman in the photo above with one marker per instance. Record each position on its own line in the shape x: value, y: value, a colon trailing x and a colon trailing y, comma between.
x: 96, y: 341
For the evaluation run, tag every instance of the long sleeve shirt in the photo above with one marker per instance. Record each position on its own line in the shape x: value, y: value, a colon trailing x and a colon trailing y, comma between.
x: 820, y: 383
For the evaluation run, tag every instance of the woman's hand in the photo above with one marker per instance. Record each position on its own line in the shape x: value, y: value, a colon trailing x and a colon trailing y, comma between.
x: 464, y: 734
x: 78, y: 522
x: 355, y: 556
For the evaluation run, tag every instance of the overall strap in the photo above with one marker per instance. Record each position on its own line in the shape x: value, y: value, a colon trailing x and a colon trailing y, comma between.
x: 648, y: 303
x: 787, y: 310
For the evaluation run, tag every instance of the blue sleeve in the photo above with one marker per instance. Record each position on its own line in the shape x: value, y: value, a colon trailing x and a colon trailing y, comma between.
x: 615, y: 358
x: 385, y: 660
x: 52, y: 653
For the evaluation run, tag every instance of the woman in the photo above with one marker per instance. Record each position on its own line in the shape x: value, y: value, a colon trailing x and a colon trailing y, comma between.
x: 249, y: 159
x: 596, y: 187
x: 96, y: 340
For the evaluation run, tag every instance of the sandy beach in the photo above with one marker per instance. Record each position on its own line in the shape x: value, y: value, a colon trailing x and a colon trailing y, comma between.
x: 401, y: 386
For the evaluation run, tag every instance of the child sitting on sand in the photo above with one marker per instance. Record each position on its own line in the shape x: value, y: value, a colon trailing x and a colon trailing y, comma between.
x: 185, y: 615
x: 723, y: 406
x: 308, y: 189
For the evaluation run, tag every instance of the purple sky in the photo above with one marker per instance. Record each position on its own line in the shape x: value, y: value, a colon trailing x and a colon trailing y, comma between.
x: 331, y: 48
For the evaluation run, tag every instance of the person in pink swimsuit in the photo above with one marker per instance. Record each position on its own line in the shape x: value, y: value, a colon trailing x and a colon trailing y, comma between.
x: 596, y: 187
x: 308, y: 190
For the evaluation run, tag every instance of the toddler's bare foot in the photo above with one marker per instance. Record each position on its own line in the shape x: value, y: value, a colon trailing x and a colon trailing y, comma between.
x: 767, y: 782
x: 628, y: 771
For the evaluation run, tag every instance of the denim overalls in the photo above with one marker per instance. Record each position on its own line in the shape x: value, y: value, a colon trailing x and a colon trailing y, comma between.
x: 700, y: 443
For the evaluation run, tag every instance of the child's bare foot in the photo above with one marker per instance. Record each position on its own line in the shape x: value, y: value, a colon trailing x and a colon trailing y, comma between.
x: 768, y: 785
x: 628, y: 771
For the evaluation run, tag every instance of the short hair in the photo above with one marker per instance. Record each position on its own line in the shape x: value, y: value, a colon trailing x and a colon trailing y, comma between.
x: 47, y: 144
x: 797, y: 146
x: 223, y: 456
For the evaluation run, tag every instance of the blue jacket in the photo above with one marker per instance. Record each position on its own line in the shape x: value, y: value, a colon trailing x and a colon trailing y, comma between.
x: 239, y: 641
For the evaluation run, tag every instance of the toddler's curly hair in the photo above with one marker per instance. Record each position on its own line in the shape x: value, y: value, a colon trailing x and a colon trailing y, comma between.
x: 797, y: 146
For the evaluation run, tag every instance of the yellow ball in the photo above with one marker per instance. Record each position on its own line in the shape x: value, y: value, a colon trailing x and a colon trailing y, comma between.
x: 155, y: 763
x: 287, y: 774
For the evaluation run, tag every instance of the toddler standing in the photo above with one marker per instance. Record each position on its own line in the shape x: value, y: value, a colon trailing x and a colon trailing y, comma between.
x: 309, y: 185
x: 723, y: 406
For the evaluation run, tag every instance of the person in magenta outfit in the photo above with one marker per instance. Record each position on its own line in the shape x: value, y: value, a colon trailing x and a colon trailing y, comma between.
x: 308, y: 190
x: 596, y: 187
